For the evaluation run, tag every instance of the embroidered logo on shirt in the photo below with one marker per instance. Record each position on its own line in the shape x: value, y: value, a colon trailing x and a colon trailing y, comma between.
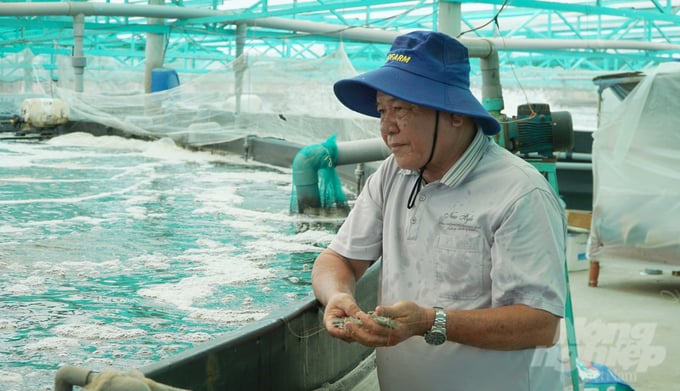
x: 457, y: 232
x: 456, y: 219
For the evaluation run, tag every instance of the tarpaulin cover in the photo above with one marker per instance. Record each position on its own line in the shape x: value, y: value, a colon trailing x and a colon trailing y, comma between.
x: 636, y: 173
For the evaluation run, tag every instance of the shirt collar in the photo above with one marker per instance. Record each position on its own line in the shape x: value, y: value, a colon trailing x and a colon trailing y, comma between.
x: 467, y: 162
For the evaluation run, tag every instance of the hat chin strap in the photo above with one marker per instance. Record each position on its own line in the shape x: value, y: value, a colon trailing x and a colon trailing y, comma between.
x: 419, y: 182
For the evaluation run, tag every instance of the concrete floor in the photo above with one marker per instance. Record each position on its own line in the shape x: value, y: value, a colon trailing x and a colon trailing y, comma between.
x: 630, y: 322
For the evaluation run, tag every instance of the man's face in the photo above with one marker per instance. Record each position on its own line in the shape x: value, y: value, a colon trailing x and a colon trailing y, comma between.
x: 407, y: 129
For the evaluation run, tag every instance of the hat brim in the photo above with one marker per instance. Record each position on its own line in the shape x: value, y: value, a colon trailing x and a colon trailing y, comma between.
x: 359, y: 94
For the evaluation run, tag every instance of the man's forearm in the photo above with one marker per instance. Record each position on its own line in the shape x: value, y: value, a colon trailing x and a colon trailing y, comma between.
x: 503, y: 328
x: 332, y: 274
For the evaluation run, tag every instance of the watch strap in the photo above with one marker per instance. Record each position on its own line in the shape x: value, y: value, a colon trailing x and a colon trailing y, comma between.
x: 437, y: 334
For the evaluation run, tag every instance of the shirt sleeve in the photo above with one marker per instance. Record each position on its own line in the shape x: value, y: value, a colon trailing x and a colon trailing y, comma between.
x: 360, y: 236
x: 528, y: 254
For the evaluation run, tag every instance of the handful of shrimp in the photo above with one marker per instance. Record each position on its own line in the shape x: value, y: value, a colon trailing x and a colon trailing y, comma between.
x: 381, y: 320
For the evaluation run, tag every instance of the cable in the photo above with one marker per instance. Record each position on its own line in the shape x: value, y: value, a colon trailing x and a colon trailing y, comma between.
x: 494, y: 19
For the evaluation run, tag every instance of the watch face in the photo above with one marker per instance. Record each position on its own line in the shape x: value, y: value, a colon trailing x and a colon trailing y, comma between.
x: 435, y: 338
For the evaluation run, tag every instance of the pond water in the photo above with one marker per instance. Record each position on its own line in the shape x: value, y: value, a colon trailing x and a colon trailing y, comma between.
x: 120, y: 252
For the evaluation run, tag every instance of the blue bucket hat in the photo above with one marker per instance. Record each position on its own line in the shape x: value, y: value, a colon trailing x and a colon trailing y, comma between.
x: 425, y: 68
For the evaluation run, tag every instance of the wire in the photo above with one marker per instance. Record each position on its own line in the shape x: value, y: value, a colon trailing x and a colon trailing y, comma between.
x: 494, y: 20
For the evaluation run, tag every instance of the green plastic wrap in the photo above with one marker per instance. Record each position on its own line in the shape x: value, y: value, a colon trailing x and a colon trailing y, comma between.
x: 316, y: 184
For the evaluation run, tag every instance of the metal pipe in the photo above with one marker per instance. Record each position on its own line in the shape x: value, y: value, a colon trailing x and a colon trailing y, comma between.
x: 359, y: 176
x: 574, y: 166
x: 586, y: 157
x: 78, y: 59
x: 350, y: 32
x: 580, y: 156
x: 241, y: 64
x: 536, y: 44
x: 361, y: 151
x: 449, y: 17
x: 104, y: 9
x: 492, y: 92
x: 476, y: 47
x: 155, y: 47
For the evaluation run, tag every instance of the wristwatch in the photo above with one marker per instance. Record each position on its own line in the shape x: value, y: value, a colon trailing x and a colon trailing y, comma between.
x: 437, y: 334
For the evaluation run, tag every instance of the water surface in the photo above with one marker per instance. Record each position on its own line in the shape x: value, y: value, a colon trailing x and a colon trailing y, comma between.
x: 119, y: 252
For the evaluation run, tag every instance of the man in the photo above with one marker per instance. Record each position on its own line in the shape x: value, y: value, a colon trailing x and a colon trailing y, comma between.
x: 471, y: 237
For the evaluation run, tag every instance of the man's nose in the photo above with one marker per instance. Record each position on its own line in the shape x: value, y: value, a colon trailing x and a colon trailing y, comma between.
x: 388, y: 127
x: 388, y: 124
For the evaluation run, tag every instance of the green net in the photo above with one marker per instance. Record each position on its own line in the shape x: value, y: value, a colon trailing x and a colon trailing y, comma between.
x: 316, y: 184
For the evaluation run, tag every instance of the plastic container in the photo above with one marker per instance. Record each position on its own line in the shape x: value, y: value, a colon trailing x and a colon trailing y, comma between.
x: 44, y: 112
x: 163, y: 79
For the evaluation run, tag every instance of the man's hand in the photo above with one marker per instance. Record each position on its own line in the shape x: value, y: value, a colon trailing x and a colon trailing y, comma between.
x: 340, y: 306
x: 410, y: 320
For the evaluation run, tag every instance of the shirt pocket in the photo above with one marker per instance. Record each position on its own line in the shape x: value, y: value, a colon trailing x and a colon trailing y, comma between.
x: 459, y: 263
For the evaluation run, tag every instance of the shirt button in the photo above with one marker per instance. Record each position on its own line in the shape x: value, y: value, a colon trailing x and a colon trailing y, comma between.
x: 413, y: 220
x: 422, y: 198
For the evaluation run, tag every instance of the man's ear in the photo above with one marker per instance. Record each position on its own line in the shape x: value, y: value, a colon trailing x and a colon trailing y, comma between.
x: 457, y: 120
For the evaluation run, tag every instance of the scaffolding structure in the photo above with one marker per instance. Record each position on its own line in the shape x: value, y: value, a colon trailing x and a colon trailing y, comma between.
x: 199, y: 35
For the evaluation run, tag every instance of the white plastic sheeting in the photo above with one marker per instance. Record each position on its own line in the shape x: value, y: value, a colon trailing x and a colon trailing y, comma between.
x: 636, y: 174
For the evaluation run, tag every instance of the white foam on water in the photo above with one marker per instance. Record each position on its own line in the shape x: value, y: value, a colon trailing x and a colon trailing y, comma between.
x: 76, y: 221
x: 164, y: 148
x: 80, y: 220
x: 8, y: 324
x: 139, y: 212
x: 223, y: 197
x: 214, y: 267
x: 227, y: 317
x: 280, y: 243
x: 291, y: 296
x: 198, y: 337
x: 52, y: 343
x: 156, y: 262
x: 74, y: 200
x: 165, y: 151
x: 218, y: 199
x: 31, y: 285
x: 164, y: 337
x: 46, y: 155
x: 10, y: 380
x: 279, y: 176
x: 9, y: 229
x: 315, y: 236
x: 82, y: 139
x: 58, y: 272
x: 18, y: 289
x: 23, y: 179
x: 100, y: 332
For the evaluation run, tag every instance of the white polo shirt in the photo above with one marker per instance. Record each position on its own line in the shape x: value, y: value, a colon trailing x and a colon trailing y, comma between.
x: 491, y: 233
